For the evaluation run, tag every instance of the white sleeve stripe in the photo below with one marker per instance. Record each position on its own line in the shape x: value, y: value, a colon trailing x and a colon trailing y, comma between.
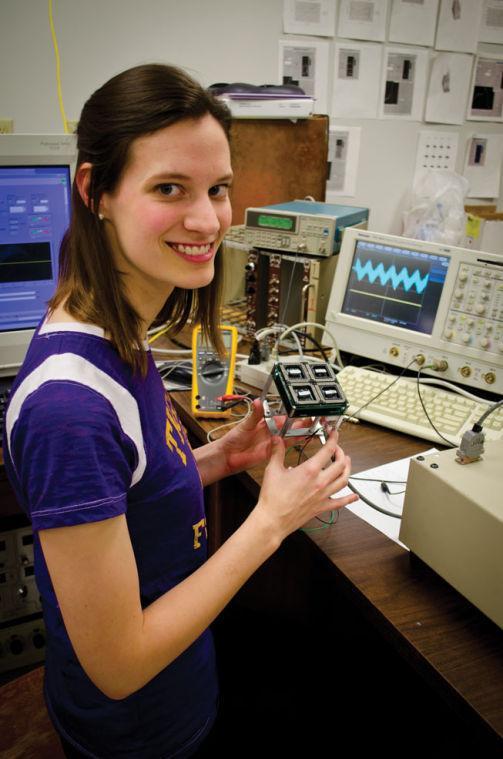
x: 73, y: 368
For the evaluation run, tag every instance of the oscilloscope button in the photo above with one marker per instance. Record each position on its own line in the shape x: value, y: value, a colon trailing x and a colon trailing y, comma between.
x: 480, y: 308
x: 449, y: 334
x: 458, y: 294
x: 466, y: 337
x: 485, y: 342
x: 463, y: 276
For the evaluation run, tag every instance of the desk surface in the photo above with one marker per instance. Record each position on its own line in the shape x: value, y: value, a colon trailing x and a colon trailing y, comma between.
x: 454, y: 647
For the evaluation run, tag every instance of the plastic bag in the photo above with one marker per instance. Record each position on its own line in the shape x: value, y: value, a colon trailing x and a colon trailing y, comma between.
x: 437, y: 212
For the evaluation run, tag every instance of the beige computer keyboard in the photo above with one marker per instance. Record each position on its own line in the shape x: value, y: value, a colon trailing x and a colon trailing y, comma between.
x: 399, y: 407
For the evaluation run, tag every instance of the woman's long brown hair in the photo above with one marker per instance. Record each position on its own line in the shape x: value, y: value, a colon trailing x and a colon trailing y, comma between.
x: 137, y: 102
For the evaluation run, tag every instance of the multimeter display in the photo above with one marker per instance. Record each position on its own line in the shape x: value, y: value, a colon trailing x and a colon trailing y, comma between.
x: 212, y: 375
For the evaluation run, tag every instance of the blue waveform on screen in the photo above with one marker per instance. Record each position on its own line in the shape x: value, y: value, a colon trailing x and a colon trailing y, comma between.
x: 391, y: 275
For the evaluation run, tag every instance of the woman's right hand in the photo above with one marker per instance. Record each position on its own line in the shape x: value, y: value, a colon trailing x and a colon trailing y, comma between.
x: 290, y: 497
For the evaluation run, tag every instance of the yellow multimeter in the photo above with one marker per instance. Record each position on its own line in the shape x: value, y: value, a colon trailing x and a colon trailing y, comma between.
x: 212, y: 374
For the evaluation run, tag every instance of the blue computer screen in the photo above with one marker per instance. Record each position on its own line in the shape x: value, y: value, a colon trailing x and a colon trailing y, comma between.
x: 395, y: 285
x: 34, y: 215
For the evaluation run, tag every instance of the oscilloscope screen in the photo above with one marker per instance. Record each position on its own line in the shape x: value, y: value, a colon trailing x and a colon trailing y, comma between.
x: 395, y: 286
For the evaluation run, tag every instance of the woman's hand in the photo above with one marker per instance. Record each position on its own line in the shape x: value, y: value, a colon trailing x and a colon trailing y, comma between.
x: 290, y: 497
x: 249, y: 443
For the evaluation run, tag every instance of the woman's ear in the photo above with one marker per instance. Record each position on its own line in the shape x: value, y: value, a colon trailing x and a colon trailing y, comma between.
x: 83, y: 181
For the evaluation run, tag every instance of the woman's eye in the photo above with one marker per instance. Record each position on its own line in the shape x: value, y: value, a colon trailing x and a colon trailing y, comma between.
x: 168, y: 190
x: 219, y: 191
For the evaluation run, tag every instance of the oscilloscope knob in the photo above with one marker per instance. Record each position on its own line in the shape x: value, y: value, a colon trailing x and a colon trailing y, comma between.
x: 463, y: 276
x: 449, y: 334
x: 458, y: 294
x: 480, y: 308
x: 466, y: 337
x: 485, y: 342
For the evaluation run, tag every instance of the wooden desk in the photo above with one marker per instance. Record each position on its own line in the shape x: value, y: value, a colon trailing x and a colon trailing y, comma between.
x: 443, y: 638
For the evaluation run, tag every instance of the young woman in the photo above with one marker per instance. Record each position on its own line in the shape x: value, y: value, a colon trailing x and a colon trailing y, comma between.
x: 96, y: 453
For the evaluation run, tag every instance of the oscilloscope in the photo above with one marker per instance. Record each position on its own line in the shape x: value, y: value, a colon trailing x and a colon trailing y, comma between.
x: 394, y: 298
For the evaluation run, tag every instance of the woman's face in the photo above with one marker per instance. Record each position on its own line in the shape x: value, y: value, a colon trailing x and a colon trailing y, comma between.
x: 170, y: 210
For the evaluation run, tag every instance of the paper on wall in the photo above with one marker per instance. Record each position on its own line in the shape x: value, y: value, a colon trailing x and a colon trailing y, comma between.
x: 305, y: 62
x: 486, y: 97
x: 363, y: 19
x: 356, y: 80
x: 449, y: 88
x: 413, y: 22
x: 491, y: 27
x: 459, y: 25
x: 437, y: 151
x: 484, y: 155
x: 316, y: 17
x: 403, y: 85
x: 343, y: 156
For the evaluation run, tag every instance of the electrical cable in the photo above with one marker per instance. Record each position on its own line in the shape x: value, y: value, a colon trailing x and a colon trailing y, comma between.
x: 264, y: 332
x: 315, y: 343
x: 161, y: 331
x: 287, y: 300
x: 58, y: 69
x: 378, y: 479
x: 334, y: 518
x: 324, y: 328
x: 230, y: 424
x: 489, y: 411
x: 399, y: 376
x: 371, y: 503
x: 172, y: 351
x: 418, y: 385
x: 385, y: 489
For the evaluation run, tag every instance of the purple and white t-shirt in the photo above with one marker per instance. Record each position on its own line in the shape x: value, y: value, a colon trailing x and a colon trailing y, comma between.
x: 86, y: 440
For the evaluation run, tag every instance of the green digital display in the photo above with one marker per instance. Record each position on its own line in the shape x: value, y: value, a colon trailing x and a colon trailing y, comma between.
x: 276, y: 222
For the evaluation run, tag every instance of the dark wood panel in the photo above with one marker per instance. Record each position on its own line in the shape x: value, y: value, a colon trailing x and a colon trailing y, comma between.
x: 277, y: 160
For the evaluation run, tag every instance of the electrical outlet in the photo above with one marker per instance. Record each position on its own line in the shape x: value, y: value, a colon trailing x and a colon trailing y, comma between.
x: 6, y: 126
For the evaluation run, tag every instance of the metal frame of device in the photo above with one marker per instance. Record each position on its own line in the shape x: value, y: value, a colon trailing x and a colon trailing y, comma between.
x: 220, y: 381
x: 306, y: 391
x: 467, y: 330
x: 272, y: 281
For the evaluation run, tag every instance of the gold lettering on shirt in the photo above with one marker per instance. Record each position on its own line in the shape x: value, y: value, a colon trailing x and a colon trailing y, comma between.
x: 198, y: 531
x: 173, y: 425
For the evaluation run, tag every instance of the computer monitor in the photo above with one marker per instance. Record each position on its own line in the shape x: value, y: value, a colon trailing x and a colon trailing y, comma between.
x: 394, y: 298
x: 36, y: 172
